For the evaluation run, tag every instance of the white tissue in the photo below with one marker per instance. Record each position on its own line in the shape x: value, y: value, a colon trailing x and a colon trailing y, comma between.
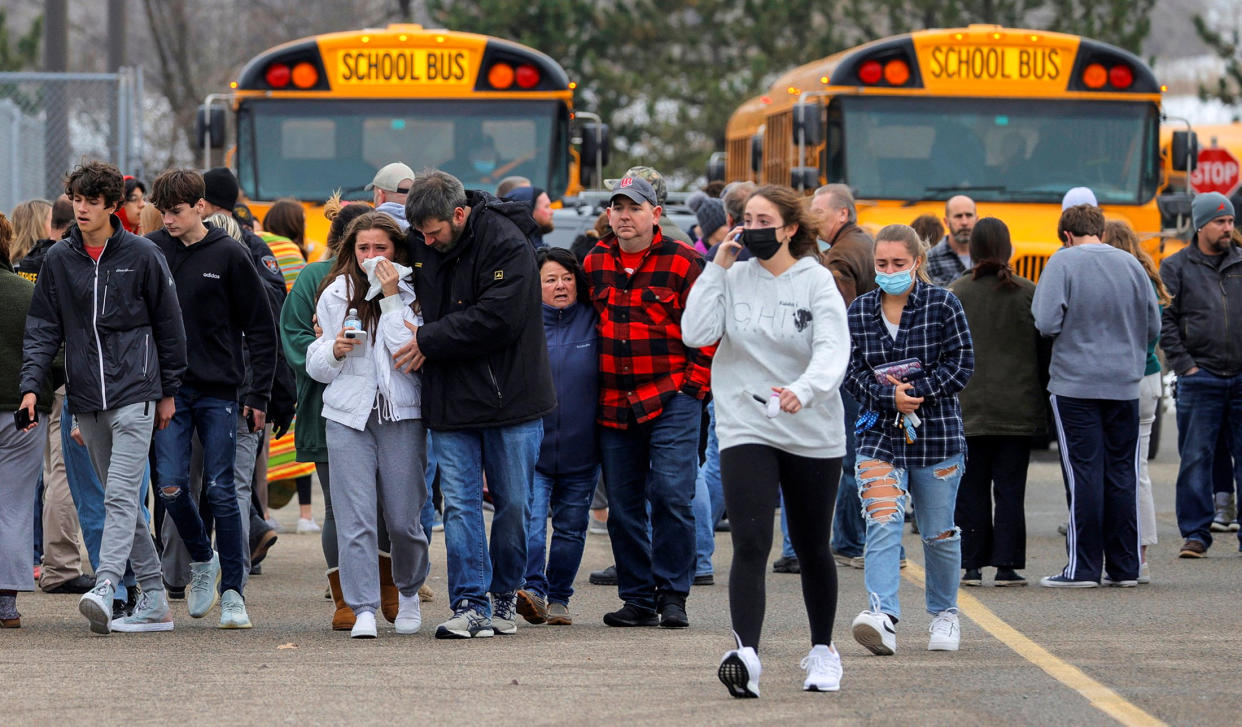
x: 368, y: 267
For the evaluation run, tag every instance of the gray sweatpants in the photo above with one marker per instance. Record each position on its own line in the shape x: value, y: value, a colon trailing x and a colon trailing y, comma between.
x: 21, y: 458
x: 118, y: 441
x: 382, y: 464
x: 175, y: 560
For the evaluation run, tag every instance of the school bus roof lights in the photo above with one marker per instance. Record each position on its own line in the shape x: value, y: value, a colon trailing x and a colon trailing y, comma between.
x: 304, y: 75
x: 1120, y: 76
x: 277, y: 75
x: 527, y: 76
x: 500, y: 76
x: 896, y: 72
x: 870, y: 72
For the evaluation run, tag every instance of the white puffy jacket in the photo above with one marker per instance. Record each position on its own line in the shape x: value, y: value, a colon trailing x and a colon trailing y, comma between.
x: 354, y: 380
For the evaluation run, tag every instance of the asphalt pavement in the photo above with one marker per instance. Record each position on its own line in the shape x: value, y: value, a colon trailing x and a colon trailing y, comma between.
x: 1146, y: 655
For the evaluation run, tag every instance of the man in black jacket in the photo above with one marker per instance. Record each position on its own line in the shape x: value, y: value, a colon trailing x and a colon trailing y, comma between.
x: 1199, y: 335
x: 486, y: 385
x: 215, y: 283
x: 108, y: 296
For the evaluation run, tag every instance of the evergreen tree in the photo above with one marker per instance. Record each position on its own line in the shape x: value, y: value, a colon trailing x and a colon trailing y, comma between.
x: 1224, y: 45
x: 24, y: 54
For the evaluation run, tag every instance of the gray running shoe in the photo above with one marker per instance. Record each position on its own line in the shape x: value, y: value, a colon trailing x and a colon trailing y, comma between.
x: 204, y: 583
x: 96, y: 606
x: 504, y: 613
x: 233, y: 611
x: 466, y: 623
x: 151, y: 614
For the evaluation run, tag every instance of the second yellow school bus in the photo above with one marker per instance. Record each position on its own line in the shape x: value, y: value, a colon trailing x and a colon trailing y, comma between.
x: 1010, y: 117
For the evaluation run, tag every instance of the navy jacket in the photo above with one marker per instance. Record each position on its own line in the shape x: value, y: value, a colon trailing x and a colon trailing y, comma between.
x: 569, y: 442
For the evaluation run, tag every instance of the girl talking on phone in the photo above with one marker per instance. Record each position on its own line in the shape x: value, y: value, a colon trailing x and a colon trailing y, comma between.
x: 910, y: 438
x: 375, y: 435
x: 784, y: 345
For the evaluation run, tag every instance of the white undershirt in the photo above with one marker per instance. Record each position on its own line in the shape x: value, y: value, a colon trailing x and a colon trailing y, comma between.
x: 892, y: 327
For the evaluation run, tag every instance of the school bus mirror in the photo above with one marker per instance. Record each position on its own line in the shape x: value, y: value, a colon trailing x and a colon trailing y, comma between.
x: 1184, y: 151
x: 209, y: 127
x: 808, y: 123
x: 716, y: 167
x: 804, y: 178
x: 596, y: 142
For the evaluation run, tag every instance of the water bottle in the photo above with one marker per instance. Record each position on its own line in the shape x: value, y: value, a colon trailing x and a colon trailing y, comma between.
x: 352, y: 321
x: 354, y: 331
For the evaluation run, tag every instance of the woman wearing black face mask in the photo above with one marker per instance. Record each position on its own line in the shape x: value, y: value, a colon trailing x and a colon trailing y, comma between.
x: 784, y: 342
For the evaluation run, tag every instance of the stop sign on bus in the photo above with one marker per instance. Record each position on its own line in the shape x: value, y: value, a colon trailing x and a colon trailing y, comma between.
x: 1217, y: 171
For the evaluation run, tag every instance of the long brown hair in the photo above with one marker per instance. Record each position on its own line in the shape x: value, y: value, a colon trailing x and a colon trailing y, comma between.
x: 990, y: 250
x: 287, y: 218
x: 789, y: 205
x: 1120, y: 235
x: 6, y: 237
x: 346, y: 263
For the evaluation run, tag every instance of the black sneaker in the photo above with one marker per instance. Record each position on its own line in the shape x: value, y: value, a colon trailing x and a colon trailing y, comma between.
x: 673, y: 613
x: 631, y: 615
x: 786, y: 564
x: 77, y: 584
x: 705, y: 579
x: 1008, y: 577
x: 174, y: 593
x: 972, y: 577
x: 605, y: 577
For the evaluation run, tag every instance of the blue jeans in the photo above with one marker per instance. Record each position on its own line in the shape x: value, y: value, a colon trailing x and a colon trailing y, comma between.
x: 708, y: 499
x: 88, y: 498
x: 428, y: 515
x: 507, y: 455
x: 654, y: 463
x: 568, y: 498
x: 849, y: 532
x: 215, y: 421
x: 935, y: 489
x: 1207, y: 405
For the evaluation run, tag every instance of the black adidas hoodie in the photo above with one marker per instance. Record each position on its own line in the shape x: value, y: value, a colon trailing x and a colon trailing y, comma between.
x: 222, y: 298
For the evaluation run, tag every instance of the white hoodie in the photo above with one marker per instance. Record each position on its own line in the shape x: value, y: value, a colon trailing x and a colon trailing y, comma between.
x: 353, y: 381
x: 785, y: 331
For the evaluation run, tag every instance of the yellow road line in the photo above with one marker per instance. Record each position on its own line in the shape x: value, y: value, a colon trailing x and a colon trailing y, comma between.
x: 1100, y: 696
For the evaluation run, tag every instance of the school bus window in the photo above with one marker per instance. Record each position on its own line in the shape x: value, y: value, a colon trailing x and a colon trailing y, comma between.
x: 308, y: 139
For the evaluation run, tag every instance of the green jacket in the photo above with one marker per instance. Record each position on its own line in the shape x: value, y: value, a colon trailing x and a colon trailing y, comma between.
x: 1005, y: 396
x: 15, y: 294
x: 297, y: 332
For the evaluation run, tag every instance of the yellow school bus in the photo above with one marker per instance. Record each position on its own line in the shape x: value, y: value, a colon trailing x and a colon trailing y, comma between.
x: 1012, y: 118
x: 325, y: 112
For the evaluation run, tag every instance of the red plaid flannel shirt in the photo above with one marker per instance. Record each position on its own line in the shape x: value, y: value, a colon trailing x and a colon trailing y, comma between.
x: 642, y: 360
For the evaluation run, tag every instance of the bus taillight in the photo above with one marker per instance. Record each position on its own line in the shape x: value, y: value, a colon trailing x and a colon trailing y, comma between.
x: 527, y: 76
x: 870, y: 72
x: 1120, y: 76
x: 277, y: 75
x: 304, y: 75
x: 500, y: 76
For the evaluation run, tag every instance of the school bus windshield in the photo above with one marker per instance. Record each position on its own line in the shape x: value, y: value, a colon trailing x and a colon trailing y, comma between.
x: 996, y: 149
x: 287, y: 148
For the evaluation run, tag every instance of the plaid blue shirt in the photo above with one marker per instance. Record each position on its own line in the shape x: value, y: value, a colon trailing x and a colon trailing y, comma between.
x: 943, y: 265
x: 933, y: 329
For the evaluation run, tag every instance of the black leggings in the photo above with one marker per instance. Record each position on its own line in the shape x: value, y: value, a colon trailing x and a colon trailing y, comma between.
x: 752, y: 475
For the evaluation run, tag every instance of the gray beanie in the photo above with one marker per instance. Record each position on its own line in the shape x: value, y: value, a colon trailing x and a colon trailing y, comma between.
x: 711, y: 216
x: 1208, y: 206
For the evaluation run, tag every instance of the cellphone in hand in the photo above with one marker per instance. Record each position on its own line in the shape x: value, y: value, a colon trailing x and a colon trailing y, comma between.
x: 22, y: 419
x: 359, y: 335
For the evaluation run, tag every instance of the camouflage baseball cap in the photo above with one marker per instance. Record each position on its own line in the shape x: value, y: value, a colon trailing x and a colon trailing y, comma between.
x: 651, y: 175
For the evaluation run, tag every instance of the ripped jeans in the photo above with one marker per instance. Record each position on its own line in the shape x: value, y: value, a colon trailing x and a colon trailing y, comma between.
x: 884, y: 490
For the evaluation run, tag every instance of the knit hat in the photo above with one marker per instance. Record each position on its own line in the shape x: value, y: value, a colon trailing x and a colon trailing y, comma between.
x: 1077, y: 196
x: 1207, y: 207
x: 221, y: 187
x: 711, y: 216
x: 695, y: 199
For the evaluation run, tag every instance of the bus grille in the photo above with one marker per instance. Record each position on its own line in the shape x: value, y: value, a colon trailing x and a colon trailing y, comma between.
x: 1030, y: 266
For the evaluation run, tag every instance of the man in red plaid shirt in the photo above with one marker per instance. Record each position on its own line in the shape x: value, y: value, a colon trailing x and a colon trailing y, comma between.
x: 651, y: 391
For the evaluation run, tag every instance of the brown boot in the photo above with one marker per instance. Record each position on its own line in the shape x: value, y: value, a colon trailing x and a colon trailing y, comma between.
x: 389, y: 594
x: 343, y: 619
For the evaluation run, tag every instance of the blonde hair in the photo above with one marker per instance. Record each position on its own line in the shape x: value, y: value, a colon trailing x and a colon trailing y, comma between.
x: 1120, y: 235
x: 29, y: 226
x: 149, y: 220
x: 226, y: 222
x: 906, y: 235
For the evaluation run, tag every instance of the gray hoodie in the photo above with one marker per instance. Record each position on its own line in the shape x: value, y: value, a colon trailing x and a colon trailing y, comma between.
x: 395, y: 211
x: 1099, y: 307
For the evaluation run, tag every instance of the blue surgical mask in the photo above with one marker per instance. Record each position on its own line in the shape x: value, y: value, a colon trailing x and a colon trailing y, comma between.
x: 484, y: 167
x: 895, y: 283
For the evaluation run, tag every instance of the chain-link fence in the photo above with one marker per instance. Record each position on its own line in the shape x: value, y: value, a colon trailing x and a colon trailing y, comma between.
x: 51, y: 121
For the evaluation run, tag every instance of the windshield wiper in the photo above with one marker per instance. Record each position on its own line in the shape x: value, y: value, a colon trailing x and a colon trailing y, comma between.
x: 929, y: 192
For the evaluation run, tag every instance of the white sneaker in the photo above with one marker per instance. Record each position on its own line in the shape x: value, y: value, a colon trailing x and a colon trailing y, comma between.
x: 409, y: 615
x: 306, y: 526
x: 945, y: 632
x: 823, y: 669
x: 1144, y: 573
x: 739, y: 671
x: 875, y: 630
x: 364, y: 626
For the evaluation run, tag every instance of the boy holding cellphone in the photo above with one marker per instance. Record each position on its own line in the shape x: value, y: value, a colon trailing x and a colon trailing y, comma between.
x: 107, y: 295
x: 215, y: 281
